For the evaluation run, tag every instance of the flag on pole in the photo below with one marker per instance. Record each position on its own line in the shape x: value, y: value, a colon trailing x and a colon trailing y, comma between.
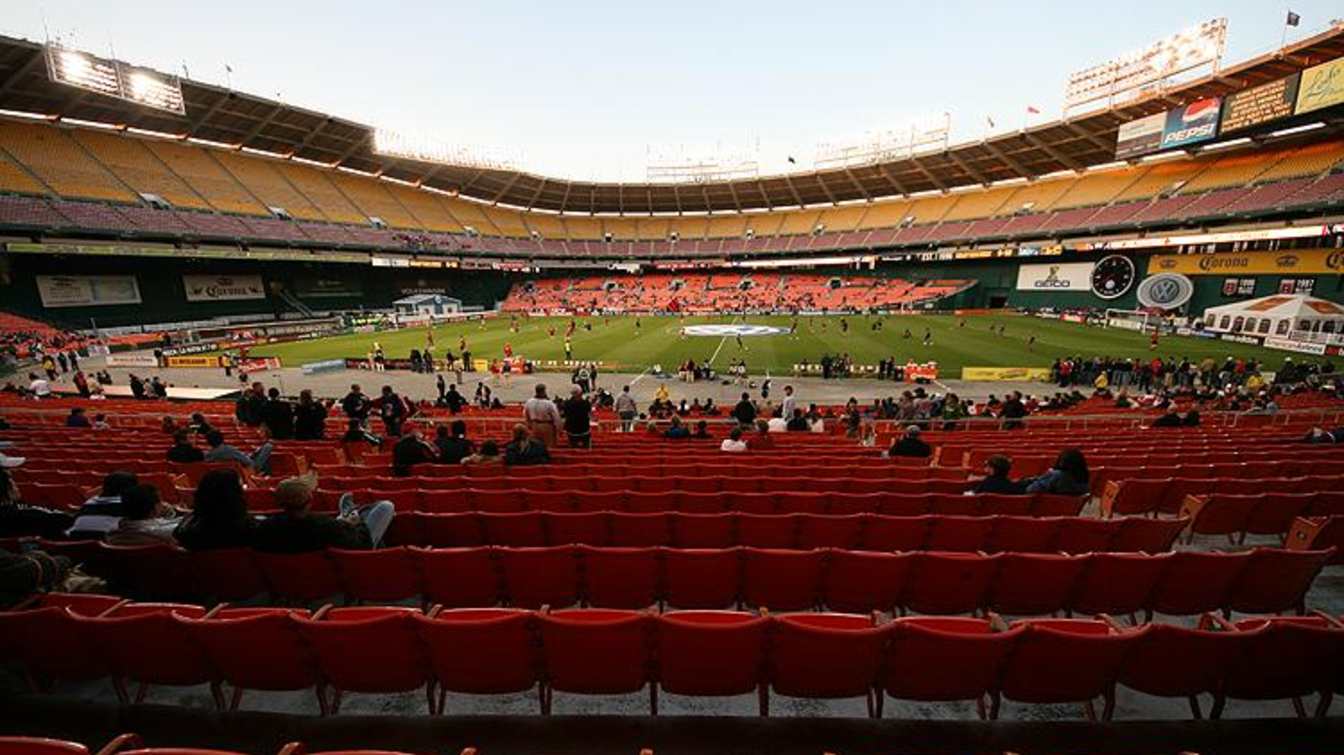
x: 1293, y: 19
x: 792, y: 161
x: 1032, y: 109
x: 990, y: 121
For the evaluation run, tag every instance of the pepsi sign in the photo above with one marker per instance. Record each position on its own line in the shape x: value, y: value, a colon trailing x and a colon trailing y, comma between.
x: 1192, y: 124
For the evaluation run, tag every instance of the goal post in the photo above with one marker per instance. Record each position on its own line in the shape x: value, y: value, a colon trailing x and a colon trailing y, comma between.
x: 1131, y: 319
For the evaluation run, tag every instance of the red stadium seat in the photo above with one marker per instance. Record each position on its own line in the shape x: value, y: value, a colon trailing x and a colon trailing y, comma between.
x: 835, y: 531
x: 597, y: 652
x: 640, y: 530
x: 1167, y: 660
x: 299, y: 577
x: 620, y: 577
x: 519, y: 530
x: 1029, y: 584
x: 1022, y: 534
x: 944, y: 659
x: 459, y: 577
x: 863, y: 581
x: 1091, y: 651
x: 585, y: 528
x: 767, y: 530
x: 40, y: 746
x: 144, y: 643
x: 894, y: 533
x: 781, y: 580
x: 966, y: 534
x: 704, y: 530
x: 1276, y: 580
x: 1086, y: 535
x: 827, y: 656
x: 1118, y: 583
x: 1195, y: 582
x: 949, y: 583
x: 257, y: 648
x: 536, y: 577
x: 374, y: 650
x: 712, y: 653
x: 481, y: 651
x: 386, y: 575
x: 1284, y: 658
x: 702, y: 578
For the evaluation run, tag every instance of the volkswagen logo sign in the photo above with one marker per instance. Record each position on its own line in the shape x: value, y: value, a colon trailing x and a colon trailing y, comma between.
x: 1165, y: 291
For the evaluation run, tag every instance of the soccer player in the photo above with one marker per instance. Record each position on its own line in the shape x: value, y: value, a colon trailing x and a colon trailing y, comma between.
x: 928, y: 337
x: 569, y: 349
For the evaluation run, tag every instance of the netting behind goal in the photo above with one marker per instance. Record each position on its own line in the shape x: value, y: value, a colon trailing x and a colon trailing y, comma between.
x: 1130, y: 319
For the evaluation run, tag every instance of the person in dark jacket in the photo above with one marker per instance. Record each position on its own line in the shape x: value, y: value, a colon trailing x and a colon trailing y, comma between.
x: 410, y: 450
x: 910, y: 445
x: 745, y: 411
x: 18, y: 520
x: 453, y: 445
x: 310, y: 417
x: 219, y: 517
x: 297, y: 530
x: 578, y: 412
x: 996, y: 478
x: 277, y: 415
x: 524, y: 449
x: 392, y: 410
x: 182, y: 450
x: 1170, y: 419
x: 1068, y: 476
x: 355, y: 404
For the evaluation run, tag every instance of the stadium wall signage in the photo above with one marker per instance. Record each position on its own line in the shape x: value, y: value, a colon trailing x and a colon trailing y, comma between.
x: 1301, y: 347
x: 1321, y: 87
x: 87, y: 290
x: 132, y: 360
x: 1191, y: 124
x: 1267, y: 102
x: 1303, y: 262
x: 1066, y: 276
x: 1005, y: 373
x: 1165, y: 291
x: 223, y: 287
x: 1140, y: 137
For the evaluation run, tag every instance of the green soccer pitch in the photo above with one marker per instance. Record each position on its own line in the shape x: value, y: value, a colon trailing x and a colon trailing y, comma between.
x: 632, y: 344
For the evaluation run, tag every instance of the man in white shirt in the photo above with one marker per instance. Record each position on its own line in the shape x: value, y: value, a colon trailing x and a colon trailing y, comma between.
x: 543, y: 417
x: 789, y: 403
x: 39, y: 386
x: 734, y: 443
x: 626, y: 409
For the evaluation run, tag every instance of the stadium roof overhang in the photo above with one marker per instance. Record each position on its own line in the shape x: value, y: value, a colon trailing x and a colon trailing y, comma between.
x: 223, y: 116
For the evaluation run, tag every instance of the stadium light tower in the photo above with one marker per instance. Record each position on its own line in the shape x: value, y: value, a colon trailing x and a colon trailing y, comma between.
x: 1137, y: 73
x: 113, y: 78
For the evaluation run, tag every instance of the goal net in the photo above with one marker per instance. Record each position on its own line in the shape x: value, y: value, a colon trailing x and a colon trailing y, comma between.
x: 1131, y: 319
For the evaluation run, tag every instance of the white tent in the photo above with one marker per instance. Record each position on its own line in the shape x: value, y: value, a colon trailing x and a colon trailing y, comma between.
x: 1276, y: 316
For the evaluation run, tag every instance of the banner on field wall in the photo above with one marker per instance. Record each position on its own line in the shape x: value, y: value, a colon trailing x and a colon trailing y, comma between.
x: 1005, y: 373
x: 87, y: 290
x: 223, y: 287
x: 191, y: 361
x: 132, y: 360
x: 1064, y: 276
x: 1306, y: 262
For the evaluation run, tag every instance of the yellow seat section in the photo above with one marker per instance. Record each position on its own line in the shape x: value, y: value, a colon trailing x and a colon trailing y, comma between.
x: 1233, y: 170
x: 583, y: 227
x: 689, y: 228
x: 15, y: 180
x: 1098, y: 188
x: 471, y: 214
x: 978, y: 204
x: 931, y: 209
x: 765, y: 223
x: 508, y: 222
x: 1306, y: 161
x: 424, y: 207
x: 796, y: 222
x: 207, y: 177
x: 843, y: 218
x: 726, y: 227
x: 51, y: 155
x: 654, y: 229
x: 621, y: 229
x: 1159, y: 178
x: 138, y: 167
x: 262, y: 177
x: 322, y: 193
x: 885, y: 214
x: 372, y: 198
x: 1040, y: 195
x: 549, y: 226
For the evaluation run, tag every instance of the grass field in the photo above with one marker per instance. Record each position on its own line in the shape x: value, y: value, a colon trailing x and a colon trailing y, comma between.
x: 623, y: 347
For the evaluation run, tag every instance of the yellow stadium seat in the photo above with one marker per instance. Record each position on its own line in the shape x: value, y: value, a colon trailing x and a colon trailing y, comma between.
x: 322, y: 193
x: 1233, y: 170
x: 15, y: 180
x: 654, y: 229
x: 427, y: 212
x: 1097, y: 188
x: 471, y: 214
x: 931, y: 209
x: 885, y: 214
x: 1040, y: 195
x: 1158, y: 178
x: 726, y: 227
x: 374, y: 200
x: 690, y: 228
x: 549, y: 226
x: 61, y: 163
x: 207, y: 177
x: 583, y: 227
x: 266, y: 183
x: 974, y: 205
x: 843, y: 218
x: 139, y: 168
x: 1306, y: 161
x: 621, y: 229
x: 765, y: 223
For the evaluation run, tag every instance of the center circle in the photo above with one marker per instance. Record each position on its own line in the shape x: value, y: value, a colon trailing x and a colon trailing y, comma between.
x: 723, y: 331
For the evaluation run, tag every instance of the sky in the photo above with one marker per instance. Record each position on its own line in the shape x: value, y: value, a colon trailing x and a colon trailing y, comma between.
x: 591, y: 90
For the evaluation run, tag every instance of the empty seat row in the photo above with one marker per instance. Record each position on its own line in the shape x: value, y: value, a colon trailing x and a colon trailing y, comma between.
x: 131, y: 744
x: 876, y: 532
x: 931, y: 582
x: 1257, y: 514
x: 335, y: 651
x: 1158, y: 492
x: 565, y: 501
x: 1318, y: 533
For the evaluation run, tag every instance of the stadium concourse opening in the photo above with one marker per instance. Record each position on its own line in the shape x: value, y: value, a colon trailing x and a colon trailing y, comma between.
x: 314, y: 437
